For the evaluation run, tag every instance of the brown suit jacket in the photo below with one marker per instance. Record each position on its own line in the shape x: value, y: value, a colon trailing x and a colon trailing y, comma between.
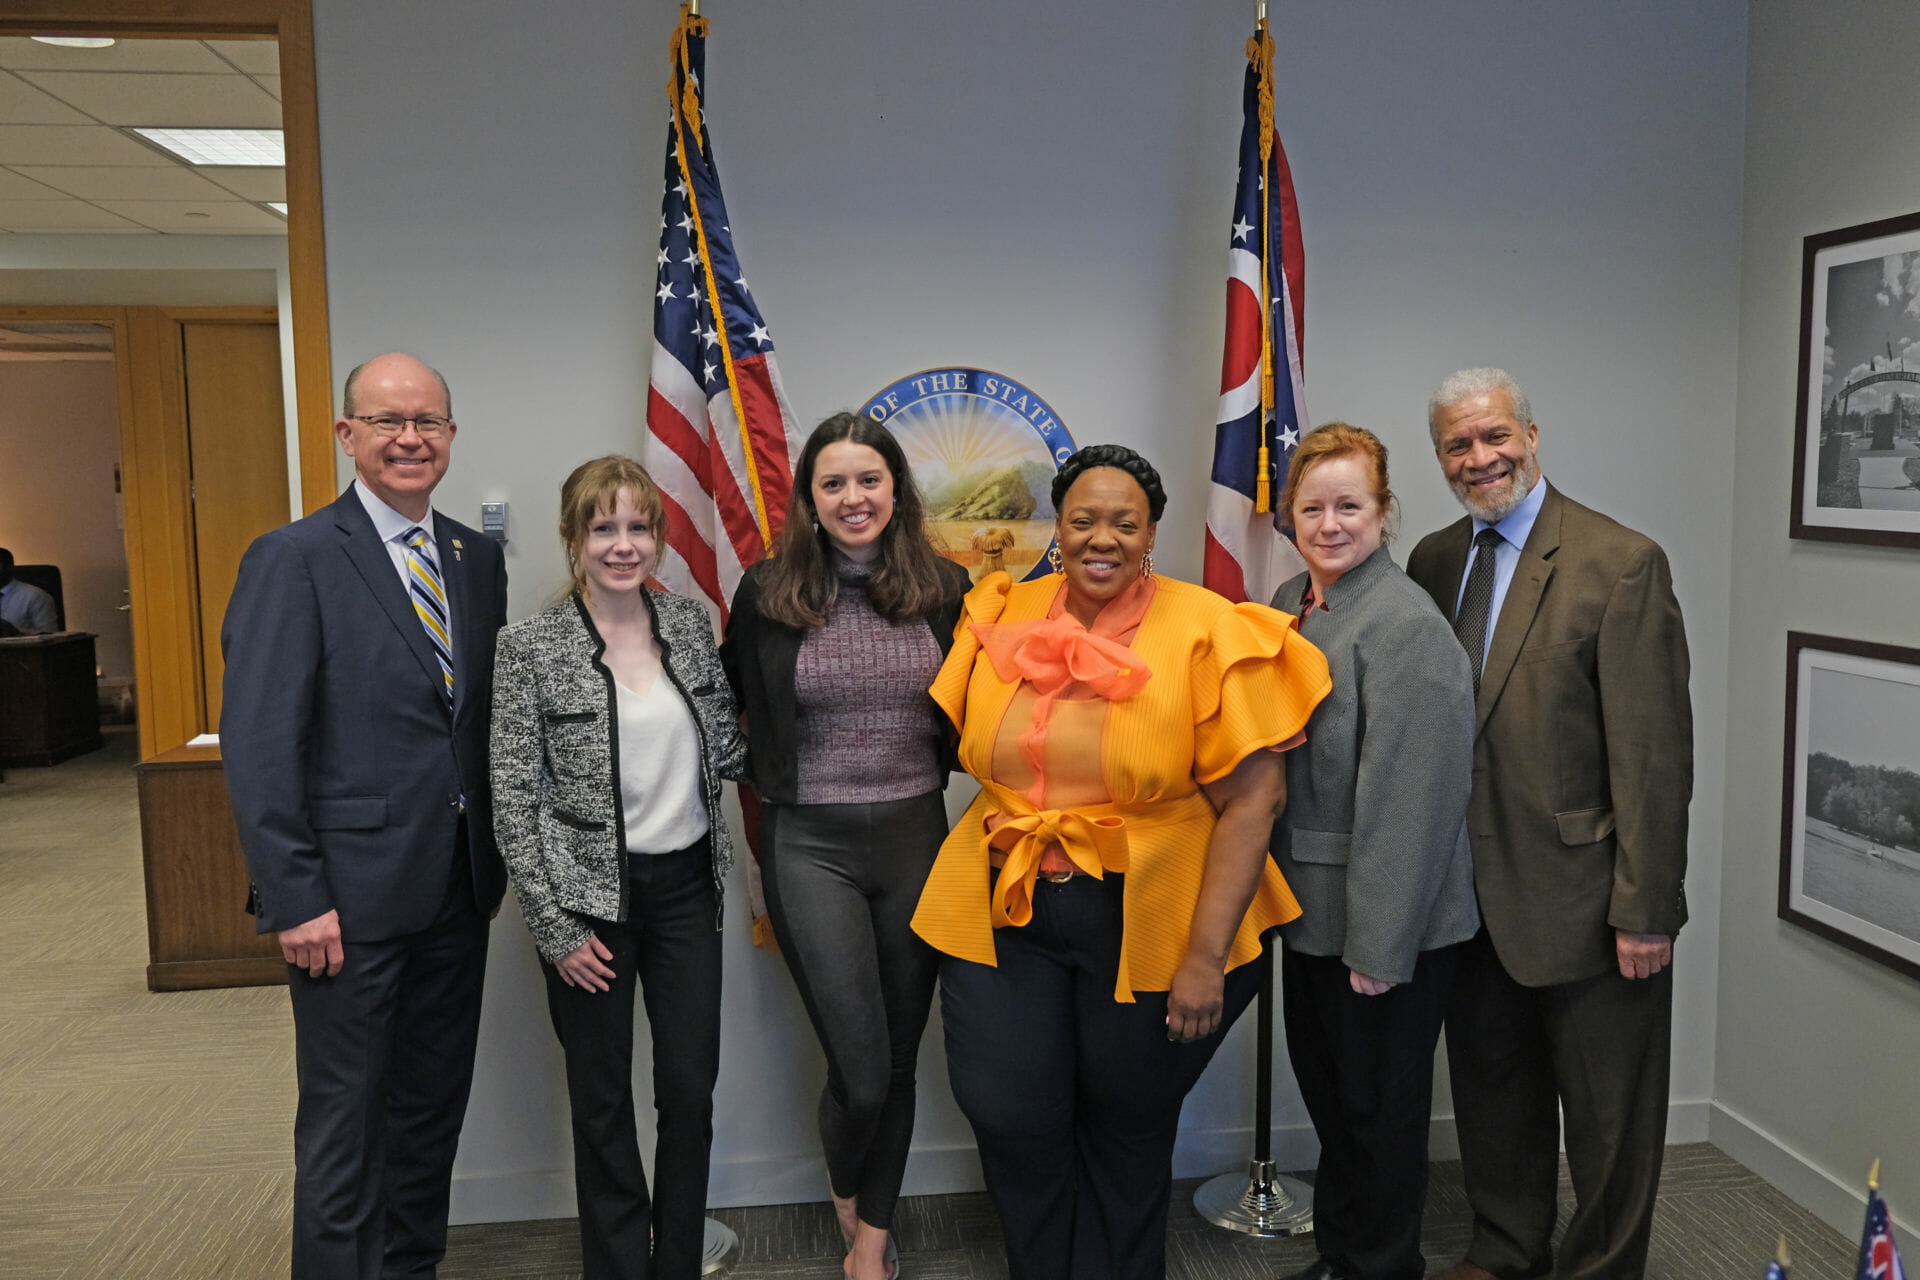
x: 1583, y: 747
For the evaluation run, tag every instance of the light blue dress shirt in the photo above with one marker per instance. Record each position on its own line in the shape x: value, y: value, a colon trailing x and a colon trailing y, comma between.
x: 1513, y: 532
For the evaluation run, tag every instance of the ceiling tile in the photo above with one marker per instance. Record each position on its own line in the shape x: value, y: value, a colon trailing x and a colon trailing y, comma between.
x: 126, y: 182
x: 16, y: 186
x: 73, y: 144
x: 125, y: 55
x: 21, y: 103
x: 271, y: 84
x: 203, y: 217
x: 248, y: 184
x: 182, y: 101
x: 255, y: 57
x: 59, y: 215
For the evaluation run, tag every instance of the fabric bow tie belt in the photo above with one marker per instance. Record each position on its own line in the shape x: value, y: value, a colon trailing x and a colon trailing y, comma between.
x: 1053, y: 655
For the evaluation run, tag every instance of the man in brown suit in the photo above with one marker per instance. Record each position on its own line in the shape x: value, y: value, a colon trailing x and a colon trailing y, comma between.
x: 1583, y: 768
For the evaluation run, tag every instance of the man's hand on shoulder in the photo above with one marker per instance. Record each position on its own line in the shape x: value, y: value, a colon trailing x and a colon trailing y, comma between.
x: 315, y: 945
x: 1642, y: 954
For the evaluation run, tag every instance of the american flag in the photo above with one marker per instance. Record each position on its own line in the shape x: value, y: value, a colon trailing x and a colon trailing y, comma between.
x: 721, y: 437
x: 1879, y: 1255
x: 1262, y: 389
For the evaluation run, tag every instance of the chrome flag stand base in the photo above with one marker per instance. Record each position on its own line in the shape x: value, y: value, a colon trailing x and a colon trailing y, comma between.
x: 722, y: 1249
x: 1261, y: 1203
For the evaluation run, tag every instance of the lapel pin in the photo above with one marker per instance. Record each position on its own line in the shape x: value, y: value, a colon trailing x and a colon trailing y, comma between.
x: 456, y: 548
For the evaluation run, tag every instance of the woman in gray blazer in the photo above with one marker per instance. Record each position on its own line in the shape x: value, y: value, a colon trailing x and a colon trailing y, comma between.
x: 612, y: 726
x: 1374, y: 844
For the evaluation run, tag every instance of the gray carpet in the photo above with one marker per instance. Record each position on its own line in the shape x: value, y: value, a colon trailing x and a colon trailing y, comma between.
x: 1716, y: 1221
x: 149, y: 1136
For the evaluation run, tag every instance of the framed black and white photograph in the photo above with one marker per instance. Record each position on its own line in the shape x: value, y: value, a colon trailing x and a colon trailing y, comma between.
x: 1856, y: 462
x: 1850, y: 821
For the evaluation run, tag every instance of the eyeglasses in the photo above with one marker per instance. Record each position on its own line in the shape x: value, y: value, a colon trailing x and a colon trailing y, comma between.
x: 429, y: 426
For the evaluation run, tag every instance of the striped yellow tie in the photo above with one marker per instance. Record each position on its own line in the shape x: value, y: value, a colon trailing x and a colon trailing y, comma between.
x: 430, y: 602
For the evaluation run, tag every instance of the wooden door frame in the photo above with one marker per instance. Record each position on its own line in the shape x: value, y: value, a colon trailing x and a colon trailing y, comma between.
x: 153, y: 465
x: 156, y: 482
x: 290, y: 22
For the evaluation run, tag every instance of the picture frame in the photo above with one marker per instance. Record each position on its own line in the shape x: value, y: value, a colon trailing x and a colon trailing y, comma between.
x: 1856, y: 456
x: 1850, y: 807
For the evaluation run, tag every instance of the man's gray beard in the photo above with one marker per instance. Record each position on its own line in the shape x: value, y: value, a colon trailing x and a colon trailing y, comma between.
x: 1526, y: 474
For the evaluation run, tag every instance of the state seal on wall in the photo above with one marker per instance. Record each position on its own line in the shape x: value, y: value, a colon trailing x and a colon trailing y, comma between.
x: 984, y: 449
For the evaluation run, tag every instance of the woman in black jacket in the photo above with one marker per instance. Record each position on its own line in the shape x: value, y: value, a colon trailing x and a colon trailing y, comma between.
x: 830, y: 646
x: 612, y: 727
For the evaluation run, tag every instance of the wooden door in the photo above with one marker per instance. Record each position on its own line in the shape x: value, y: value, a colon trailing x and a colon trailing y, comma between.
x: 237, y: 447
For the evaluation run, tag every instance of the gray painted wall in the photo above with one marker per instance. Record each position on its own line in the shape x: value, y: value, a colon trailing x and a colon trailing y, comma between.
x: 1044, y: 190
x: 1814, y: 1074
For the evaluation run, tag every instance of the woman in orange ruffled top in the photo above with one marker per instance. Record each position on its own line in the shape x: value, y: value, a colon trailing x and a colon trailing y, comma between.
x: 1097, y: 903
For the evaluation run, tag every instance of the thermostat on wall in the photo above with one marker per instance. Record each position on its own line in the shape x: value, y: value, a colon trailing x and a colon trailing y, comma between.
x: 493, y: 520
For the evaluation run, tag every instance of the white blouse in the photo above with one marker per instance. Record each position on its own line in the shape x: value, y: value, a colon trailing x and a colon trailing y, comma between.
x: 660, y: 785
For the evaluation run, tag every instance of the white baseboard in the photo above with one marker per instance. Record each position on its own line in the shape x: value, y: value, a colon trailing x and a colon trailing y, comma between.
x: 548, y: 1193
x: 1838, y: 1203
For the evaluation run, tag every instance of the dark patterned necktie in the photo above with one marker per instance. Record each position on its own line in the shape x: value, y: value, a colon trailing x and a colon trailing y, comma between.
x: 1476, y: 603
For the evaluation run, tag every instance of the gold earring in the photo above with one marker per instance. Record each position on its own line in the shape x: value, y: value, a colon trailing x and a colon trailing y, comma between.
x: 1146, y: 563
x: 1053, y: 558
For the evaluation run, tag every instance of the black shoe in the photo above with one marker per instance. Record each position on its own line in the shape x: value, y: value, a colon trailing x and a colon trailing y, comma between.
x: 1322, y: 1269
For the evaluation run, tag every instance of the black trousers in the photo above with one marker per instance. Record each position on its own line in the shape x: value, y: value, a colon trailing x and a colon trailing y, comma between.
x: 842, y: 881
x: 384, y: 1053
x: 1365, y: 1069
x: 1074, y: 1098
x: 670, y: 949
x: 1594, y: 1051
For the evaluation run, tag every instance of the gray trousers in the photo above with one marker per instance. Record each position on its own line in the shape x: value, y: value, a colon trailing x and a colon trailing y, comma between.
x: 842, y: 881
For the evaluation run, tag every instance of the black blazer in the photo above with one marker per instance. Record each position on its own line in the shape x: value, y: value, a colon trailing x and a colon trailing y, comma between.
x: 346, y: 769
x: 760, y: 654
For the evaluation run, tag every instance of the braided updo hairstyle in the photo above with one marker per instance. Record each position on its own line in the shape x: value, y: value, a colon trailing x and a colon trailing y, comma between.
x: 1119, y: 457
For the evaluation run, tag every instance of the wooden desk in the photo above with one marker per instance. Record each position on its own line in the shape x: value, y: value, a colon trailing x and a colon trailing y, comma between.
x: 198, y: 931
x: 49, y: 701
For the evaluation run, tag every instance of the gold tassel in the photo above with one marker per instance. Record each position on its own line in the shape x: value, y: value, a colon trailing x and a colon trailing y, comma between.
x: 690, y: 24
x: 1260, y: 52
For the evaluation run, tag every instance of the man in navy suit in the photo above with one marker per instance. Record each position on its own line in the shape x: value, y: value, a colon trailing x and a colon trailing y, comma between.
x: 359, y: 662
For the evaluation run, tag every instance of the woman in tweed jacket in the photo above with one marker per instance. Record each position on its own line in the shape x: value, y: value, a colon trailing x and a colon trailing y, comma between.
x: 1374, y: 843
x: 613, y: 725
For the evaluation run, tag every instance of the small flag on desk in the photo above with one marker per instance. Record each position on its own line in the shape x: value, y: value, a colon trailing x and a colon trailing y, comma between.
x: 1777, y: 1269
x: 1879, y: 1255
x: 1263, y: 406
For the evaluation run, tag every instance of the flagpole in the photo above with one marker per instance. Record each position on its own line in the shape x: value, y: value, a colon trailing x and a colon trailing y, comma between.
x: 1261, y: 1202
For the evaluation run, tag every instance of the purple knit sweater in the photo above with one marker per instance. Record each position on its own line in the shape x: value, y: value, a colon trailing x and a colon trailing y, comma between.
x: 868, y: 730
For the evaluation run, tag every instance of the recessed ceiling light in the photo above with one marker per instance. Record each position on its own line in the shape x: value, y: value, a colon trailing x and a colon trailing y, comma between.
x: 256, y: 147
x: 278, y: 206
x: 77, y: 42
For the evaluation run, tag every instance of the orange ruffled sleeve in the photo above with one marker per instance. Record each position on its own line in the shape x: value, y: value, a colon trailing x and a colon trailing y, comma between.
x: 1255, y: 683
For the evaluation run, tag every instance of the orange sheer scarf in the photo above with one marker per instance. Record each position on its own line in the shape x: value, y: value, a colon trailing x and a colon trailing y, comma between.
x: 1059, y: 658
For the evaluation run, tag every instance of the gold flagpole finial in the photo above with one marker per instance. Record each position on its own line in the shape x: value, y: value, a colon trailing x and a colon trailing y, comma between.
x: 693, y: 8
x: 1260, y: 11
x: 1873, y: 1177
